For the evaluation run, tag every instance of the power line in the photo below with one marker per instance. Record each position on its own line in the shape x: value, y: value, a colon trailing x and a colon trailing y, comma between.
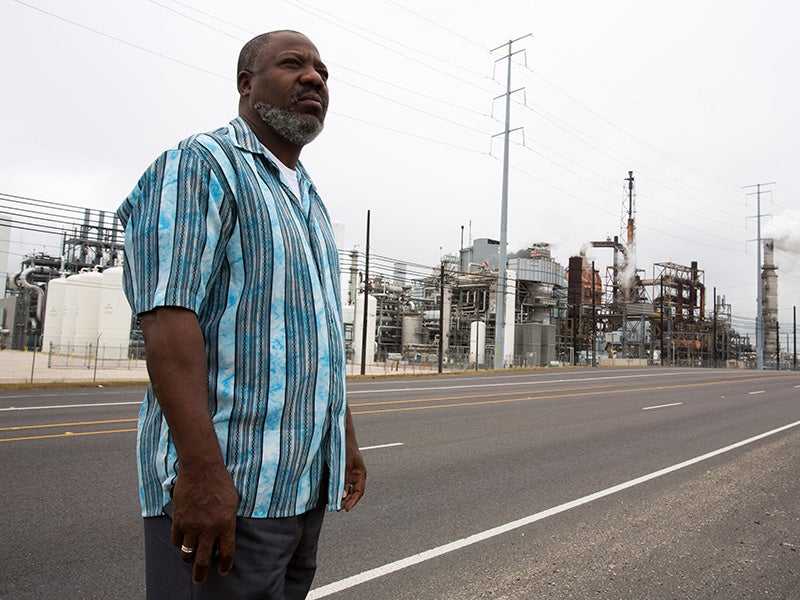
x: 413, y: 135
x: 224, y: 77
x: 305, y: 6
x: 424, y: 64
x: 121, y: 41
x: 185, y: 16
x: 614, y: 194
x: 410, y: 91
x: 618, y: 128
x: 197, y: 10
x: 442, y: 27
x: 419, y: 110
x: 555, y: 121
x: 334, y: 64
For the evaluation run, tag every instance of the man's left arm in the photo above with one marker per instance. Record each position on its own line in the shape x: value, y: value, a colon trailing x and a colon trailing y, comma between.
x: 355, y: 474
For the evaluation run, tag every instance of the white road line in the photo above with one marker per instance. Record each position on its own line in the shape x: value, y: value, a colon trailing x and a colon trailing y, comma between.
x: 758, y: 392
x: 13, y: 408
x: 507, y: 376
x: 66, y: 394
x: 493, y: 385
x: 381, y: 446
x: 349, y: 582
x: 662, y: 406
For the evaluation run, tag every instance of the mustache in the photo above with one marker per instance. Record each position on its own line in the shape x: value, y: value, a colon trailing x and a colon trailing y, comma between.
x: 309, y: 92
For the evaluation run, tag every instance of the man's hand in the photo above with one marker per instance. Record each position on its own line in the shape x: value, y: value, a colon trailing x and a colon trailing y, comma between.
x: 204, y: 518
x: 355, y: 472
x: 204, y: 500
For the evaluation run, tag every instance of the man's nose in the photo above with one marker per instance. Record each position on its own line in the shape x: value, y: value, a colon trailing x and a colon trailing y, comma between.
x: 311, y: 76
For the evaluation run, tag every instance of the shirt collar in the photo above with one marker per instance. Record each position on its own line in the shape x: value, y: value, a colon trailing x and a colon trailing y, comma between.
x: 244, y: 138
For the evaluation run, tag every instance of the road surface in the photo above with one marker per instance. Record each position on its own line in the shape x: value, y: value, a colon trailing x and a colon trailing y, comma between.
x: 580, y: 483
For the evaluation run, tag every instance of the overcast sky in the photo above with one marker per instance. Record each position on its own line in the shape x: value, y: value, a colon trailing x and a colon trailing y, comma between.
x: 697, y: 98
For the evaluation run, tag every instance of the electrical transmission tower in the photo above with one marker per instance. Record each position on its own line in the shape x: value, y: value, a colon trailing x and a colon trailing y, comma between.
x: 500, y: 314
x: 759, y: 293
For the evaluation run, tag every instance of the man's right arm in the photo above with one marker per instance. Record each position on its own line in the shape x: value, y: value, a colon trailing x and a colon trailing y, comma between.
x: 204, y: 499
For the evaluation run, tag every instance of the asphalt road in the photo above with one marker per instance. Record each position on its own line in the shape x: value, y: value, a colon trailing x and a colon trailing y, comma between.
x: 626, y: 483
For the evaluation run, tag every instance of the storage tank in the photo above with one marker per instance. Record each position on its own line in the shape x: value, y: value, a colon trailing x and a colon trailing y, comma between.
x: 53, y: 329
x: 114, y: 319
x: 69, y: 312
x: 477, y: 341
x: 511, y: 299
x: 338, y: 233
x: 412, y: 331
x: 86, y: 306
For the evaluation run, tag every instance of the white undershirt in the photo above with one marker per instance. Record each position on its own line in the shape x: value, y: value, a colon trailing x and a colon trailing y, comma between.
x: 290, y: 175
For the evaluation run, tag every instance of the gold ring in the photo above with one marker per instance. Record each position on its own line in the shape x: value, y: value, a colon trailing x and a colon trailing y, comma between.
x: 186, y: 549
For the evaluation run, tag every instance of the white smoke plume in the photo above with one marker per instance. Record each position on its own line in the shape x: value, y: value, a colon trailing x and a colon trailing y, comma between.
x: 784, y: 229
x: 628, y: 275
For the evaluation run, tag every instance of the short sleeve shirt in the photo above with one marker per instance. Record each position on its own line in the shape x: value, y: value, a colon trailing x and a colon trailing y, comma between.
x: 213, y: 227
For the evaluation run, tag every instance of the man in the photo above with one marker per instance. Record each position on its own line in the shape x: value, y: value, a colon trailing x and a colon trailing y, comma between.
x: 244, y: 433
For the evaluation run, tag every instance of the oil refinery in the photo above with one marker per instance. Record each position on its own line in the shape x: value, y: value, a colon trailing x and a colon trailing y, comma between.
x: 72, y: 307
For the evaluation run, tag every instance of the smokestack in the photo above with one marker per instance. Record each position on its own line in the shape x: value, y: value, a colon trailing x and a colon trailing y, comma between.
x: 630, y: 209
x: 769, y: 253
x: 769, y: 311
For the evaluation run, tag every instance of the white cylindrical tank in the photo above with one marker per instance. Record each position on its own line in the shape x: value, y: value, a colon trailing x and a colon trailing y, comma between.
x: 511, y: 297
x: 114, y: 319
x: 87, y: 312
x: 358, y: 327
x: 69, y: 312
x: 338, y: 233
x: 348, y: 313
x: 448, y: 302
x: 412, y: 331
x: 477, y: 341
x: 53, y: 329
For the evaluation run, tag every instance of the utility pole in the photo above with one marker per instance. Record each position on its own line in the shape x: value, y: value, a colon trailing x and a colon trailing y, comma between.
x: 794, y: 334
x: 366, y: 306
x: 759, y: 296
x: 441, y: 315
x: 500, y: 313
x: 661, y: 325
x: 594, y: 320
x: 714, y: 335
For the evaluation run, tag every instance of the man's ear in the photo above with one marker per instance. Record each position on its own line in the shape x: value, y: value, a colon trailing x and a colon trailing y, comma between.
x: 243, y: 82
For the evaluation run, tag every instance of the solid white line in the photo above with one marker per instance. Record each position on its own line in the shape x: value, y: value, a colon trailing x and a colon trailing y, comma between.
x: 66, y: 394
x: 486, y: 377
x: 493, y: 385
x: 11, y: 408
x: 338, y: 586
x: 662, y: 406
x: 758, y: 392
x: 381, y: 446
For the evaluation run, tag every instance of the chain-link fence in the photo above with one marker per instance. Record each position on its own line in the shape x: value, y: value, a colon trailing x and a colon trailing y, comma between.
x: 96, y: 356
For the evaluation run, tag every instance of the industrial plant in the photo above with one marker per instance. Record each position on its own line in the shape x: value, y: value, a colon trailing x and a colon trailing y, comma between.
x: 71, y: 306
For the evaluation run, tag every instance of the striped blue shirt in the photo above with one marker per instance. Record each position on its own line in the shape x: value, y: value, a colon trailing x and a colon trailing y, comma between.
x: 212, y: 226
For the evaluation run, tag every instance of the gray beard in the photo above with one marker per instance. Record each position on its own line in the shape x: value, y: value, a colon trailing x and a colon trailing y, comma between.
x: 288, y: 124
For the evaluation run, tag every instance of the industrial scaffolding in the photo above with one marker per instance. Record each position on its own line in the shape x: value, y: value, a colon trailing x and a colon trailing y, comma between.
x: 96, y: 241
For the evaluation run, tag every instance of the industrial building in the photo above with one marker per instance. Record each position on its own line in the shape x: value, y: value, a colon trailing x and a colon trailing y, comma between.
x: 71, y: 305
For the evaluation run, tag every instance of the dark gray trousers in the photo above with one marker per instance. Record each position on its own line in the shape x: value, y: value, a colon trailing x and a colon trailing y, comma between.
x: 275, y: 560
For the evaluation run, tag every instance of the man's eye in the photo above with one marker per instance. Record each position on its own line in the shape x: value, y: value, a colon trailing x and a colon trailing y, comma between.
x: 323, y: 74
